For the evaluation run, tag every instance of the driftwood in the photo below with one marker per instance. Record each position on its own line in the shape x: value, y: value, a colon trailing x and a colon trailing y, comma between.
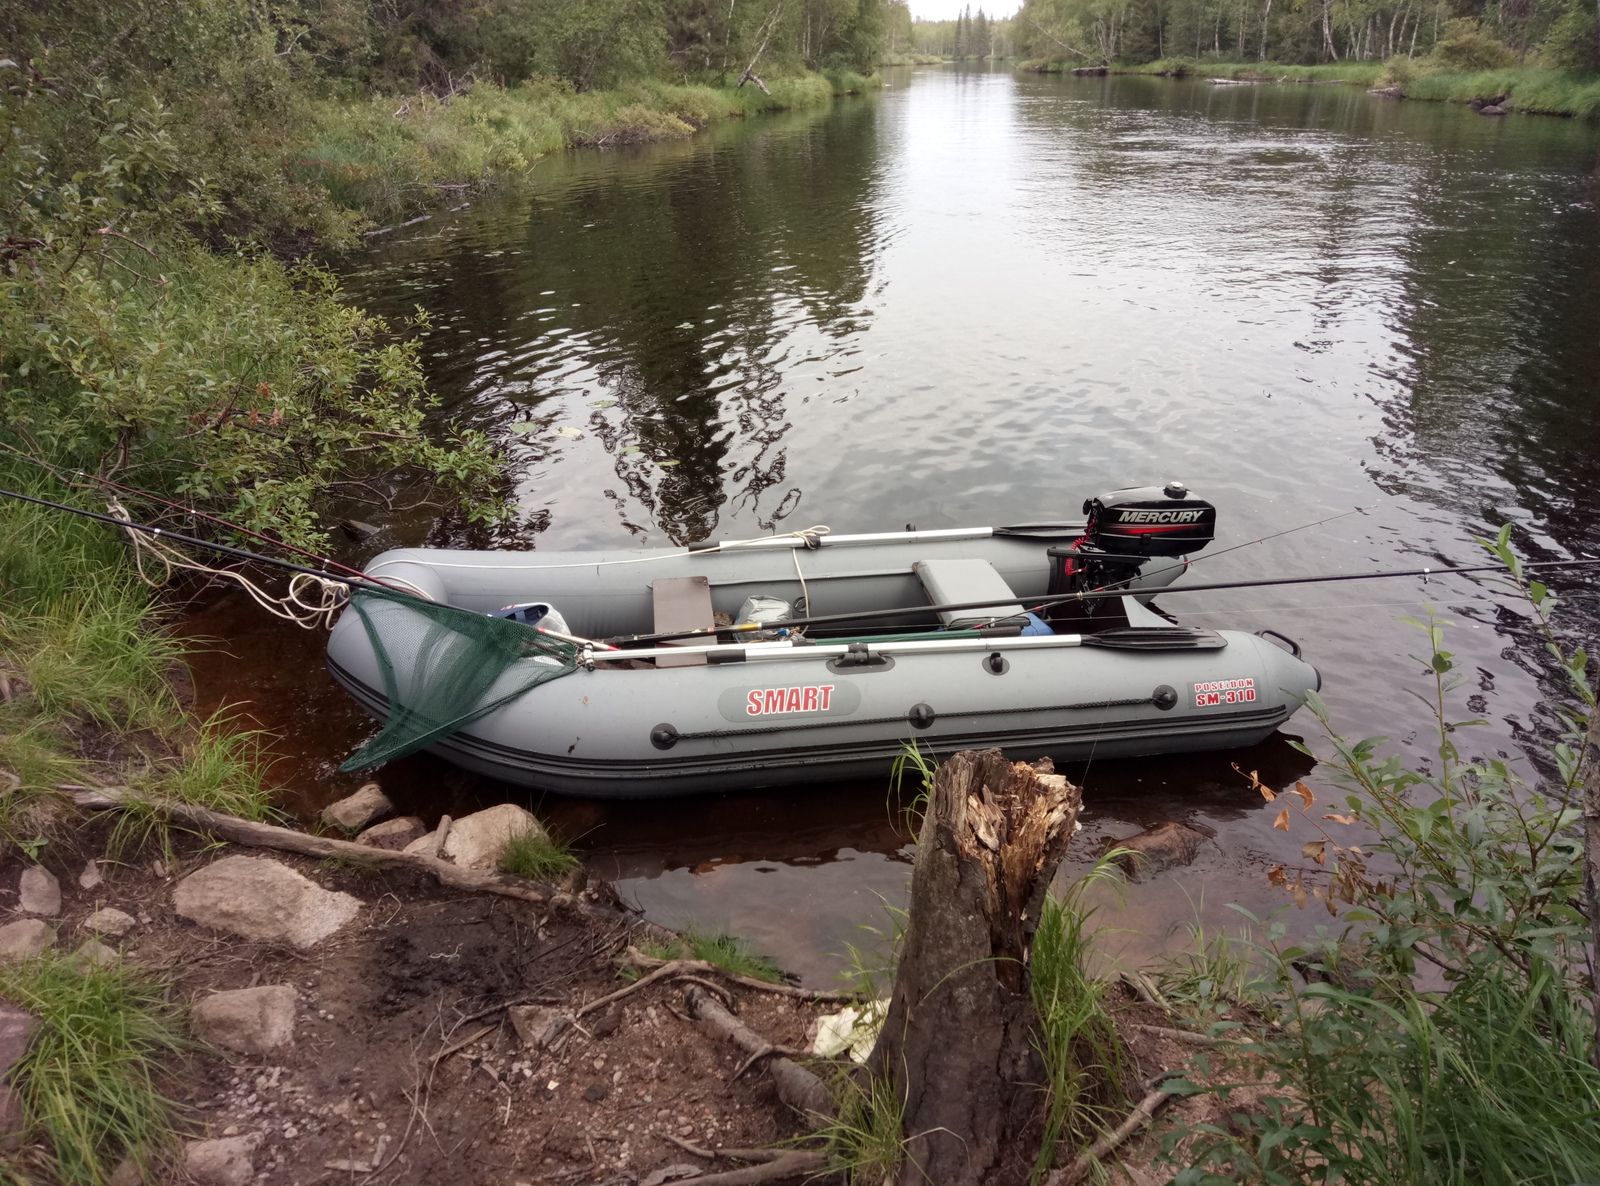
x: 256, y: 835
x: 797, y: 1087
x: 958, y: 1040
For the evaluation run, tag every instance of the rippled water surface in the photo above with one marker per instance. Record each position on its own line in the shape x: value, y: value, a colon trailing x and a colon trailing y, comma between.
x: 977, y: 298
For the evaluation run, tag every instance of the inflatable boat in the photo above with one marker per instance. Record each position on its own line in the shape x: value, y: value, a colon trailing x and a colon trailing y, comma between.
x: 812, y: 655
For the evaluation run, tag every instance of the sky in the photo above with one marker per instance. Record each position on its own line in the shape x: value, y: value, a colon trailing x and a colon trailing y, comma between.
x: 948, y: 10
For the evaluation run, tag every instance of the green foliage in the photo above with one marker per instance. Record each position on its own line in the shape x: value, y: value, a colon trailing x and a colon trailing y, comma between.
x: 1083, y: 1058
x: 1475, y: 878
x: 538, y: 856
x: 88, y: 1082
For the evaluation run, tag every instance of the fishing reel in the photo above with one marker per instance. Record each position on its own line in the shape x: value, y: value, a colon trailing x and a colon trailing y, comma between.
x: 1126, y: 529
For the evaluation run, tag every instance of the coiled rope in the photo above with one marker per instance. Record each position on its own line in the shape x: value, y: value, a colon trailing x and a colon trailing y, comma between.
x: 310, y: 602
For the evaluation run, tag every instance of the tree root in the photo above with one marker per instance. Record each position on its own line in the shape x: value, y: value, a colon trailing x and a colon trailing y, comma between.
x: 1187, y: 1037
x: 797, y: 1087
x: 787, y: 1165
x: 637, y: 959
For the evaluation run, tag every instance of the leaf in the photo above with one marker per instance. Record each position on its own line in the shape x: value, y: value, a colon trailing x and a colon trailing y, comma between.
x: 523, y: 426
x: 630, y: 448
x: 1315, y: 850
x: 1282, y: 822
x: 604, y: 403
x: 669, y: 463
x: 1305, y: 794
x: 1300, y: 895
x: 567, y: 430
x: 1341, y: 819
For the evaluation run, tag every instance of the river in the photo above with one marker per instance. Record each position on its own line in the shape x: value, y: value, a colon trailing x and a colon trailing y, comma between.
x: 979, y: 297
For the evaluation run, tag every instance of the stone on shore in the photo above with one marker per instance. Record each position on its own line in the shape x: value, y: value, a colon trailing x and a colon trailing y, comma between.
x: 394, y: 834
x: 356, y: 811
x: 39, y: 892
x: 263, y: 900
x: 17, y: 1027
x: 248, y: 1020
x: 25, y: 938
x: 92, y: 956
x: 228, y: 1161
x: 477, y: 840
x: 91, y: 876
x: 108, y: 920
x: 1157, y: 849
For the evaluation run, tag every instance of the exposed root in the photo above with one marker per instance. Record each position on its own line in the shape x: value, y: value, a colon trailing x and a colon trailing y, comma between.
x: 1085, y: 1162
x: 781, y: 1168
x: 637, y: 959
x: 797, y: 1087
x: 1187, y: 1037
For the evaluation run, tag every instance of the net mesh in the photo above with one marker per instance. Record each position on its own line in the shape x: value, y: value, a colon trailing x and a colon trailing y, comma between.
x: 445, y: 667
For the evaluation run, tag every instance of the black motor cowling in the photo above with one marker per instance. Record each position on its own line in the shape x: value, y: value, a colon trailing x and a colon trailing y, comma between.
x: 1150, y: 521
x: 1126, y: 528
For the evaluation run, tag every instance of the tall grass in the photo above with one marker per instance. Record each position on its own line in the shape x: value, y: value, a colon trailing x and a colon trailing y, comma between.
x: 720, y: 948
x: 538, y: 856
x: 88, y: 1082
x: 388, y: 157
x: 1549, y: 92
x: 1083, y: 1058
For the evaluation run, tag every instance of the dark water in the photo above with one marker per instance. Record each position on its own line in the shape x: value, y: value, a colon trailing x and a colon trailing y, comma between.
x: 978, y: 298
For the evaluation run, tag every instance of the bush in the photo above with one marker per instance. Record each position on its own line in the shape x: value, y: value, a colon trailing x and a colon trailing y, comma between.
x: 1464, y: 45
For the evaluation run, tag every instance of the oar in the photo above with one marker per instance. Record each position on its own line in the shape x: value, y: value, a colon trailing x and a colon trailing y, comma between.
x: 1088, y: 595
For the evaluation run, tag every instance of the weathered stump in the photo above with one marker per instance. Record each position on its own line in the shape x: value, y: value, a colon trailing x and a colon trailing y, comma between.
x: 957, y: 1041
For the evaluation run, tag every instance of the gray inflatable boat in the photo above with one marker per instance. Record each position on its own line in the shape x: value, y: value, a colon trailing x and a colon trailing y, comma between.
x: 1001, y: 656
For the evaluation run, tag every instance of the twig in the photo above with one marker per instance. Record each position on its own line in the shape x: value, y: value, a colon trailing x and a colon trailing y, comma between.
x: 1086, y: 1161
x: 1144, y: 989
x: 1186, y: 1036
x: 757, y: 1055
x: 465, y: 1042
x: 509, y: 1005
x: 687, y: 1147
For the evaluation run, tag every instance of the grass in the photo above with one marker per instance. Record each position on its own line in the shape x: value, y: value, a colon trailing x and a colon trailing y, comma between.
x: 1083, y: 1058
x: 389, y: 157
x: 1546, y: 92
x: 88, y: 1083
x: 538, y: 856
x: 1213, y: 973
x: 865, y: 1141
x: 719, y: 948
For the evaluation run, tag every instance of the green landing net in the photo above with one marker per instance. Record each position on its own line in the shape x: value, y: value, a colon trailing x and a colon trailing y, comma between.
x: 454, y: 659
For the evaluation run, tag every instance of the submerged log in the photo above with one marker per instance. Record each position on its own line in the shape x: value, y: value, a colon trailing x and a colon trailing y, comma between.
x: 958, y: 1040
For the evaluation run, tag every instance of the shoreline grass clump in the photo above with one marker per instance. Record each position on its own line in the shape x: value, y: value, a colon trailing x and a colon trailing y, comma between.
x: 538, y: 856
x: 89, y: 1080
x: 726, y: 951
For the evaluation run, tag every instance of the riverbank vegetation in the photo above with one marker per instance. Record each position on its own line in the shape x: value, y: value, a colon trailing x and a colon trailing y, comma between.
x: 1540, y: 56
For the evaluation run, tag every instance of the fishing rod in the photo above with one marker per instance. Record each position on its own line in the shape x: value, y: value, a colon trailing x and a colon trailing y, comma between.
x: 288, y: 547
x: 1087, y: 595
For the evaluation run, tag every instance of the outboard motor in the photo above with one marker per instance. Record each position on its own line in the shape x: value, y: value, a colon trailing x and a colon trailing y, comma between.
x: 1126, y: 529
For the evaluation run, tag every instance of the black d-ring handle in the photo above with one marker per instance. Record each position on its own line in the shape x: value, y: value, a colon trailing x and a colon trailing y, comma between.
x: 1294, y: 647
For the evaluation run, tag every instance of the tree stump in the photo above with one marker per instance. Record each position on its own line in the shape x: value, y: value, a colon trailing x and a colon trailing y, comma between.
x: 958, y: 1041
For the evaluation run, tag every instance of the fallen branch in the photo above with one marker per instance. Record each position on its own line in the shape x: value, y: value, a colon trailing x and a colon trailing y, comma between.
x: 788, y: 1165
x: 1086, y: 1161
x: 465, y: 1042
x: 797, y: 1087
x: 1189, y: 1037
x: 637, y: 959
x: 257, y: 835
x: 1144, y: 989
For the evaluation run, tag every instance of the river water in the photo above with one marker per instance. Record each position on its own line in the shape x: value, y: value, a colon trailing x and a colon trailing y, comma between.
x: 979, y: 297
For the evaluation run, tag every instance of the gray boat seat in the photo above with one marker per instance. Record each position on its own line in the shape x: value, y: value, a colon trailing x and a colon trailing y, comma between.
x: 682, y: 603
x: 955, y: 581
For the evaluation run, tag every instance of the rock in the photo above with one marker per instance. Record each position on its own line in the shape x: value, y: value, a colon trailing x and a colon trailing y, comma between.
x: 90, y: 879
x: 1387, y: 92
x: 25, y: 938
x: 13, y: 1121
x: 1492, y: 110
x: 91, y: 956
x: 477, y: 840
x: 395, y: 834
x: 357, y: 530
x: 672, y: 1173
x: 263, y: 900
x: 596, y: 1092
x: 39, y: 892
x: 127, y: 1173
x: 536, y: 1025
x: 108, y: 921
x: 248, y: 1020
x: 17, y: 1027
x: 424, y: 844
x: 230, y: 1161
x: 356, y: 811
x: 1164, y: 846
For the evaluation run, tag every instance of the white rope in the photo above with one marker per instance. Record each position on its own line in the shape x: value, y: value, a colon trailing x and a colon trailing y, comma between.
x: 810, y: 537
x: 326, y: 599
